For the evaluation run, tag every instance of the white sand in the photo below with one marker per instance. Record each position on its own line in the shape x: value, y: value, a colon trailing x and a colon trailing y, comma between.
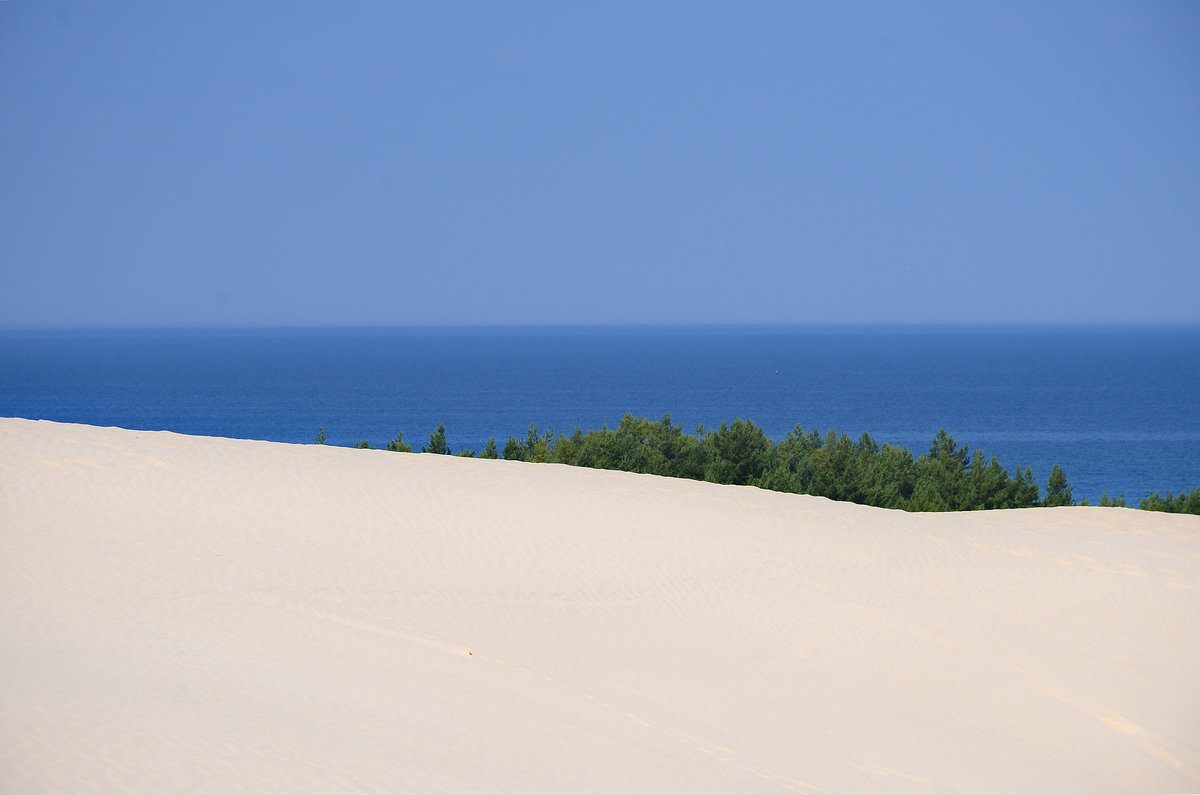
x: 195, y: 614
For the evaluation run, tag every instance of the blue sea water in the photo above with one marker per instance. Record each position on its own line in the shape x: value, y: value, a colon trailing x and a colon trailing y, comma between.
x: 1118, y: 408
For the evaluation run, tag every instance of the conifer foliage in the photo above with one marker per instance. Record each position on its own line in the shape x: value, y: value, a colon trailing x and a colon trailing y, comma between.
x: 437, y: 442
x: 950, y: 477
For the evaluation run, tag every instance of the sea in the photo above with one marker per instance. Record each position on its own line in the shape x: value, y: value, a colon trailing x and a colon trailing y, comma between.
x: 1117, y: 407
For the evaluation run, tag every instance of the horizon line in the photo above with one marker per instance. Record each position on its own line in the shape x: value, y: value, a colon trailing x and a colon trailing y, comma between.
x: 731, y: 326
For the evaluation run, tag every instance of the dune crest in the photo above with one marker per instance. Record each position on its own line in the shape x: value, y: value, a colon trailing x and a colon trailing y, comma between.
x: 186, y: 613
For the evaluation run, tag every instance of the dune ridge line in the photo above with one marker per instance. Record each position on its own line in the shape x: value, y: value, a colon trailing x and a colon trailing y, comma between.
x: 213, y: 614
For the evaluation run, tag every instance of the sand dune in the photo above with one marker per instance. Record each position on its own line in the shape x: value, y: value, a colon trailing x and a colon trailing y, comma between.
x: 197, y: 614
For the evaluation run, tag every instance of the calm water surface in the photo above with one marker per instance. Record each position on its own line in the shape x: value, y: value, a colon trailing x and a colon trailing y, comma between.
x: 1118, y: 408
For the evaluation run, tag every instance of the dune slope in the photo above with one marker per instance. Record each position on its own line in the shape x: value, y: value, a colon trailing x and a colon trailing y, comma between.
x: 203, y: 614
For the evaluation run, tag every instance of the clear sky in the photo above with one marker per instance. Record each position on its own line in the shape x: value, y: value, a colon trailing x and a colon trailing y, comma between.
x: 293, y: 163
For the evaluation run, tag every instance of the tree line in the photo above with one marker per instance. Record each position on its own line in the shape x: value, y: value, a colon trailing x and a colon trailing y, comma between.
x: 950, y: 477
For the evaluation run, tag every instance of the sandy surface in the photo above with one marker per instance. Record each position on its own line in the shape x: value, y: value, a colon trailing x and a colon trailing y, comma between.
x: 196, y: 614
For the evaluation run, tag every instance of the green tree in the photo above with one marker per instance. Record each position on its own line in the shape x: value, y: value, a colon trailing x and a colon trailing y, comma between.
x: 690, y: 457
x: 895, y: 477
x: 1191, y: 503
x: 634, y: 448
x: 573, y: 450
x: 1023, y: 492
x: 779, y: 478
x: 514, y: 450
x: 363, y: 445
x: 795, y: 457
x: 538, y: 446
x: 1180, y: 503
x: 988, y: 484
x: 740, y: 452
x: 949, y: 477
x: 437, y: 442
x: 320, y: 439
x: 397, y: 445
x: 1058, y: 492
x: 942, y: 476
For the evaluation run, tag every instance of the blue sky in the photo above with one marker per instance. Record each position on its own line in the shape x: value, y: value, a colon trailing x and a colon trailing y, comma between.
x: 227, y: 164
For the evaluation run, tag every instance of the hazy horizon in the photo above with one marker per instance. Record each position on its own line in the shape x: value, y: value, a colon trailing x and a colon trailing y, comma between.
x: 599, y: 327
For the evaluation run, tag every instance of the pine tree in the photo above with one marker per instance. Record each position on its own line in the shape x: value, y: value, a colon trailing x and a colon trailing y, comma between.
x: 1057, y: 490
x: 514, y: 450
x: 437, y: 442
